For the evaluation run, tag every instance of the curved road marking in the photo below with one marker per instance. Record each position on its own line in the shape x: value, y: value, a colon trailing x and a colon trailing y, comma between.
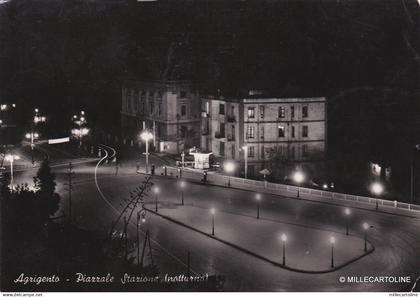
x: 116, y: 210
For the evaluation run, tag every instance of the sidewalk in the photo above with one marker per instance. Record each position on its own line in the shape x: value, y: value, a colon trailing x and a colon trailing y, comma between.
x: 367, y: 203
x: 307, y: 249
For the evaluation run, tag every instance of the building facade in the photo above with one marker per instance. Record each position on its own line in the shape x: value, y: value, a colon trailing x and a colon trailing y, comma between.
x: 170, y: 110
x: 278, y: 134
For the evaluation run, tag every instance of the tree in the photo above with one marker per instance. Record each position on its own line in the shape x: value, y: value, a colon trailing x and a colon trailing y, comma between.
x: 45, y: 190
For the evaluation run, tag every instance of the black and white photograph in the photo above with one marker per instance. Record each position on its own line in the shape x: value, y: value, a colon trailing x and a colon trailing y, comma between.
x: 209, y: 146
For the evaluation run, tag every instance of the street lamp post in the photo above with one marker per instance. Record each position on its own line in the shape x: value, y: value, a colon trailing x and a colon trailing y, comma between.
x: 212, y: 212
x: 284, y: 239
x: 229, y: 168
x: 245, y: 148
x: 32, y: 136
x: 377, y: 189
x: 11, y: 158
x: 146, y: 136
x: 80, y: 121
x: 332, y: 241
x: 347, y: 214
x: 298, y: 177
x: 258, y: 198
x: 365, y: 228
x: 156, y: 191
x: 182, y: 185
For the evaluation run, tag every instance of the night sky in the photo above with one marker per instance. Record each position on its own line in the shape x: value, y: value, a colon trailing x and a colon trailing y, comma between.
x: 364, y: 56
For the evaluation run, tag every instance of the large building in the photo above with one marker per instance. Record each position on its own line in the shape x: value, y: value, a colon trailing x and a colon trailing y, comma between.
x: 278, y: 134
x: 169, y: 109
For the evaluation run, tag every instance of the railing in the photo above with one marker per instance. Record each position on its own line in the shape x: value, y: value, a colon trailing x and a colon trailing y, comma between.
x: 290, y: 191
x: 231, y: 118
x: 219, y: 135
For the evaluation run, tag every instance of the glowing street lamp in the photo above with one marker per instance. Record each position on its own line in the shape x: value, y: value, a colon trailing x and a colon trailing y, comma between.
x: 156, y: 192
x: 32, y: 136
x: 258, y: 198
x: 146, y: 136
x: 298, y: 177
x: 347, y: 213
x: 245, y: 148
x: 229, y: 168
x: 11, y: 158
x: 212, y: 212
x: 377, y: 189
x: 332, y: 241
x: 80, y: 121
x: 182, y: 186
x: 38, y: 118
x: 283, y: 240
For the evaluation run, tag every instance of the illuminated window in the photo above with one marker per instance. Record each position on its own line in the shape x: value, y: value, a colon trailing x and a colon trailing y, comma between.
x: 251, y: 112
x: 281, y: 131
x: 282, y: 112
x: 250, y: 132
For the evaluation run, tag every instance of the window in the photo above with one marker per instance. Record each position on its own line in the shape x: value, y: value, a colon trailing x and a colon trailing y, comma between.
x: 262, y: 132
x: 262, y: 152
x: 250, y: 132
x: 222, y: 149
x: 160, y: 109
x: 222, y: 130
x: 304, y: 150
x: 251, y: 152
x: 136, y: 101
x: 207, y: 107
x: 281, y: 131
x: 251, y: 112
x: 136, y: 104
x: 232, y: 149
x: 151, y: 94
x: 293, y: 131
x: 261, y: 111
x: 221, y: 108
x: 128, y: 100
x: 304, y: 131
x: 292, y: 152
x: 292, y: 112
x: 304, y: 112
x: 183, y: 94
x: 143, y: 100
x: 152, y: 107
x: 183, y: 110
x: 282, y: 112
